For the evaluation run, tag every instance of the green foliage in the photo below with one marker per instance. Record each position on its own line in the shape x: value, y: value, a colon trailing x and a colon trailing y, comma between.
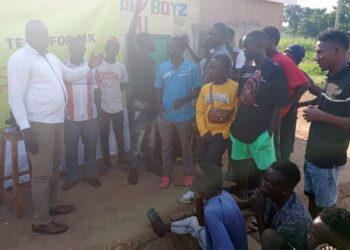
x: 308, y: 65
x: 308, y: 22
x: 308, y: 43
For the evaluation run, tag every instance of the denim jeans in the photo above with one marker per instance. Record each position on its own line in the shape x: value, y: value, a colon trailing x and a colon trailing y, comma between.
x: 321, y: 184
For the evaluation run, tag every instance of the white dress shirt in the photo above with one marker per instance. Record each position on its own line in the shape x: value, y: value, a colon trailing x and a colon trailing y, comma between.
x: 35, y: 86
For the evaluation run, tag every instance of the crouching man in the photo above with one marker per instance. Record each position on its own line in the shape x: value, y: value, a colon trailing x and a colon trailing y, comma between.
x: 218, y: 225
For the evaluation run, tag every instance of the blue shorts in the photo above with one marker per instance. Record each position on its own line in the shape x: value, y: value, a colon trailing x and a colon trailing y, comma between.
x: 321, y: 184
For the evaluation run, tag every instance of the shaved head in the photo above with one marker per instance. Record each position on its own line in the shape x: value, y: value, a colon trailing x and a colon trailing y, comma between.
x: 37, y: 35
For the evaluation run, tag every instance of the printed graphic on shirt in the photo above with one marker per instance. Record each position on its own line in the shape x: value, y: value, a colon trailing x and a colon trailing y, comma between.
x: 333, y: 90
x: 109, y: 79
x: 217, y: 97
x: 183, y: 73
x: 246, y: 76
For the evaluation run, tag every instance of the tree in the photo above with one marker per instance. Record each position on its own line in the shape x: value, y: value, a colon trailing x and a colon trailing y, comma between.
x: 307, y: 22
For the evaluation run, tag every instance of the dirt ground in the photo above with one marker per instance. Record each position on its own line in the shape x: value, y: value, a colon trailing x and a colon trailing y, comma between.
x: 115, y: 213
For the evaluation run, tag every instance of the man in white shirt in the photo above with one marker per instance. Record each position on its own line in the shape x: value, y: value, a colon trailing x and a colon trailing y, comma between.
x: 111, y: 77
x: 217, y: 42
x: 81, y: 120
x: 37, y: 97
x: 237, y: 55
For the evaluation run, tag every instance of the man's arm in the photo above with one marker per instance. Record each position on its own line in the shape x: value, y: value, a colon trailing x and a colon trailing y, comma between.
x: 131, y: 37
x: 257, y: 204
x: 200, y: 114
x: 75, y: 74
x: 314, y: 114
x: 159, y: 94
x: 281, y: 98
x: 196, y: 86
x: 275, y: 119
x: 124, y: 77
x: 159, y: 85
x: 298, y: 93
x: 308, y: 103
x: 200, y: 210
x: 98, y: 100
x: 181, y: 101
x: 193, y: 54
x: 18, y: 79
x: 313, y: 89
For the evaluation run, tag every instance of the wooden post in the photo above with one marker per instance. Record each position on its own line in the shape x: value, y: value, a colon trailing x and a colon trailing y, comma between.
x: 15, y: 179
x: 2, y: 168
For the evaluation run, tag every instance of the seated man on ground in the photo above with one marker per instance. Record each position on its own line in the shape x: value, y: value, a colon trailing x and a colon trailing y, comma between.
x: 282, y: 219
x: 216, y: 109
x: 331, y: 228
x: 218, y: 225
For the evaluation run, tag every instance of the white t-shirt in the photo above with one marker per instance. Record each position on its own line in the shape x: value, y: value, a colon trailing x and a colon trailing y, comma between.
x: 109, y: 78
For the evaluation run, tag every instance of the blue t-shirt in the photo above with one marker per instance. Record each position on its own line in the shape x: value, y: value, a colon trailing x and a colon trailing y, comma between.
x: 224, y: 225
x: 177, y: 83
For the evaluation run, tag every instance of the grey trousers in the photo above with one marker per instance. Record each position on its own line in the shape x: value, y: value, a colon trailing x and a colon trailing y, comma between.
x: 45, y: 172
x: 88, y: 131
x: 166, y: 131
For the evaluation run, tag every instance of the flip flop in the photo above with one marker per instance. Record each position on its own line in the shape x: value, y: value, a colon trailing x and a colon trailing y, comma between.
x: 153, y: 216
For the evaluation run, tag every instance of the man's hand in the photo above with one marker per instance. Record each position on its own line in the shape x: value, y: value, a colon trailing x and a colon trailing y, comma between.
x: 179, y: 103
x: 140, y: 6
x: 187, y: 40
x: 257, y: 202
x: 102, y: 119
x: 30, y: 141
x: 313, y: 114
x: 95, y: 60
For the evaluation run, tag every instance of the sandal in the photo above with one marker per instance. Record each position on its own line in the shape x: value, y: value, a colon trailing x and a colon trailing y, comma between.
x: 153, y: 216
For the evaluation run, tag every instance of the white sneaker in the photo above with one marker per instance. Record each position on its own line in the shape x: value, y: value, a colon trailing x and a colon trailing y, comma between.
x: 187, y: 198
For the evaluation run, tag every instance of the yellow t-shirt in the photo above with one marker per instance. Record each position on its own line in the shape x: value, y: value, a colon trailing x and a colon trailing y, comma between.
x: 224, y: 97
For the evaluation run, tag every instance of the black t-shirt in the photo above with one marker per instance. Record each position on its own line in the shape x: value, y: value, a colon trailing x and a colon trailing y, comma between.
x: 251, y: 122
x: 142, y: 76
x: 327, y: 144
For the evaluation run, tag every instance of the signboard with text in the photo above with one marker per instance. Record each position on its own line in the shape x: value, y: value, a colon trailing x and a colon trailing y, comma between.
x: 162, y: 17
x: 95, y: 21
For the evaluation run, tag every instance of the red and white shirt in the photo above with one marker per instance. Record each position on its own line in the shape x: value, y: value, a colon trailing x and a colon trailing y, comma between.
x: 80, y: 96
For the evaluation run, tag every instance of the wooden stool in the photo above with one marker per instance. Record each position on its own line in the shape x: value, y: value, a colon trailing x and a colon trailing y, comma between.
x: 13, y: 138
